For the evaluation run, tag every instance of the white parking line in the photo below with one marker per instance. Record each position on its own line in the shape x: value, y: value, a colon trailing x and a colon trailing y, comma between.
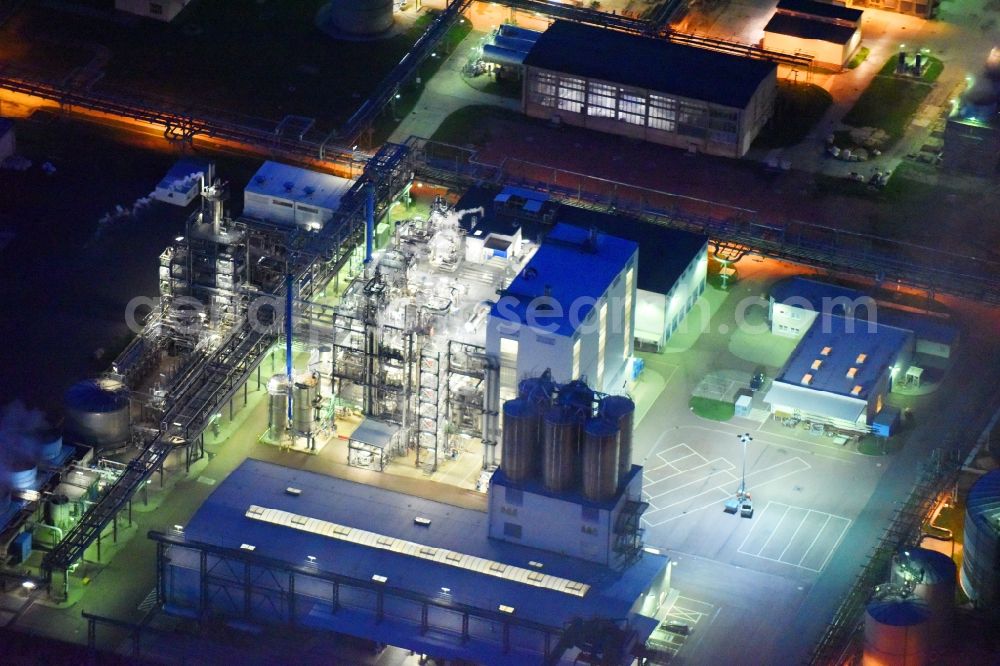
x: 773, y: 532
x: 830, y: 522
x: 815, y: 539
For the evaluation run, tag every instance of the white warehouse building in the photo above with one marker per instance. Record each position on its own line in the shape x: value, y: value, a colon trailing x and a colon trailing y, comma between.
x: 293, y: 196
x: 571, y: 310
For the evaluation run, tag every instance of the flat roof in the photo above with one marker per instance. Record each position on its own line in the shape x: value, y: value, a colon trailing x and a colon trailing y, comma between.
x: 222, y: 521
x: 292, y: 183
x: 374, y: 433
x: 645, y: 62
x: 841, y: 344
x: 822, y: 9
x: 183, y: 172
x: 809, y: 28
x: 573, y: 270
x: 664, y: 253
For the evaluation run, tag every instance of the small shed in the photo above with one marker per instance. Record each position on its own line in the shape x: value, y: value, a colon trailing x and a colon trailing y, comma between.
x: 373, y: 444
x: 743, y: 405
x: 886, y: 422
x: 181, y: 184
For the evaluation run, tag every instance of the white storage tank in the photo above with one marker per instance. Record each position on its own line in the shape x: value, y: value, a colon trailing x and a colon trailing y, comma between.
x: 97, y: 413
x: 981, y: 547
x: 932, y: 576
x: 896, y: 632
x: 361, y: 18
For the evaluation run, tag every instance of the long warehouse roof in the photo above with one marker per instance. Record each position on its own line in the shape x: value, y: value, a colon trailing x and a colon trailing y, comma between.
x: 653, y: 64
x: 809, y: 28
x: 324, y: 504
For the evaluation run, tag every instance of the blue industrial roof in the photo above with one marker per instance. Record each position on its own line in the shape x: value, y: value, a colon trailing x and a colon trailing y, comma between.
x: 847, y: 338
x: 573, y: 270
x: 826, y: 10
x: 664, y: 253
x: 653, y: 64
x: 801, y: 291
x: 284, y: 181
x: 810, y: 28
x: 221, y: 521
x: 982, y: 505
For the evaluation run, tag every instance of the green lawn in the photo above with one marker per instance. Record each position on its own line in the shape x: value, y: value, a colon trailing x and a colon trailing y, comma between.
x: 890, y: 101
x: 798, y: 107
x: 716, y: 410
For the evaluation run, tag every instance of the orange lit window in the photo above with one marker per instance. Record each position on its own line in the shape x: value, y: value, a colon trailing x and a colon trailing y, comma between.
x: 851, y: 373
x: 826, y: 351
x: 816, y: 364
x: 807, y: 378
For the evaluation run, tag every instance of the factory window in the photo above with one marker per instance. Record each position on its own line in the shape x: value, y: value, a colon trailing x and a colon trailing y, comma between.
x: 628, y: 311
x: 543, y: 89
x: 601, y: 100
x: 662, y: 113
x: 693, y: 114
x: 589, y: 513
x: 279, y: 202
x: 602, y: 341
x: 508, y: 367
x: 513, y: 496
x: 309, y: 209
x: 722, y: 137
x: 576, y: 359
x: 632, y: 108
x: 588, y: 529
x: 545, y: 340
x: 510, y: 511
x: 571, y: 94
x: 156, y: 8
x: 512, y: 530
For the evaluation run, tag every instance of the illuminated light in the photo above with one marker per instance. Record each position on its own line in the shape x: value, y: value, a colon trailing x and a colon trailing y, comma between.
x: 856, y: 390
x: 506, y: 609
x: 653, y: 551
x: 816, y: 364
x: 379, y: 578
x: 434, y: 54
x: 179, y: 528
x: 179, y: 239
x: 294, y: 492
x: 398, y: 95
x: 29, y: 585
x: 248, y: 547
x: 311, y: 558
x: 851, y: 373
x: 445, y: 590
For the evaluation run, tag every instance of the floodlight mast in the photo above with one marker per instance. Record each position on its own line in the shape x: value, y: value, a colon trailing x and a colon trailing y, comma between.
x: 745, y: 439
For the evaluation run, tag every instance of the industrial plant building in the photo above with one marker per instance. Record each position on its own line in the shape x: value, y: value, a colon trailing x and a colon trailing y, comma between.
x: 649, y: 89
x: 673, y: 264
x: 830, y: 33
x: 273, y: 545
x: 292, y: 195
x: 184, y: 181
x: 972, y: 133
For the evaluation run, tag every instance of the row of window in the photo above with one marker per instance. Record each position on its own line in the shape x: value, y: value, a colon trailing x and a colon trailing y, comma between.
x: 600, y: 100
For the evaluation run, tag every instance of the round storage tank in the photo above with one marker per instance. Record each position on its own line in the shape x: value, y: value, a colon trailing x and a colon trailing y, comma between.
x: 362, y: 18
x: 302, y: 404
x: 49, y: 445
x: 23, y: 472
x: 932, y: 576
x: 600, y: 459
x: 621, y: 410
x: 97, y: 413
x: 58, y: 511
x: 560, y: 449
x: 277, y: 404
x: 896, y: 632
x: 519, y: 455
x: 980, y: 576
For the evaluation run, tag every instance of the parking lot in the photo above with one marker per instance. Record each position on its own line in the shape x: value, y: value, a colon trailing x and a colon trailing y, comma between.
x: 795, y: 536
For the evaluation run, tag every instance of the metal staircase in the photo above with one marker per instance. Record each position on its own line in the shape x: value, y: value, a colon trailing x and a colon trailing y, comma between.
x: 629, y: 533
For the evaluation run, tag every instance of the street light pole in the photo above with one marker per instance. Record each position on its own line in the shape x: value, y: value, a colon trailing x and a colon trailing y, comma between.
x: 745, y: 439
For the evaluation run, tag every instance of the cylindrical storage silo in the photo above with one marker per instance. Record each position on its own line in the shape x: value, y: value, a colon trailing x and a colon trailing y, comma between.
x: 277, y: 404
x: 23, y: 472
x: 621, y: 410
x: 364, y: 18
x: 303, y: 399
x: 49, y: 445
x: 97, y: 413
x: 560, y: 449
x: 896, y: 632
x: 980, y: 575
x: 931, y: 575
x: 600, y: 459
x: 519, y: 455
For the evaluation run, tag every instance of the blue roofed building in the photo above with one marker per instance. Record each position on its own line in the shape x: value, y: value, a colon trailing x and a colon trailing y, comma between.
x: 293, y: 196
x: 184, y: 181
x: 673, y: 264
x: 570, y: 310
x: 648, y: 88
x: 274, y: 545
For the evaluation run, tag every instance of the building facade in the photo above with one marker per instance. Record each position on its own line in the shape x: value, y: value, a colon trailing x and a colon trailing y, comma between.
x: 289, y: 195
x: 684, y: 97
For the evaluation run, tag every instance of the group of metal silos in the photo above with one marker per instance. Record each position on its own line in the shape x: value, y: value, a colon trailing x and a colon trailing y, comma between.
x: 569, y: 437
x: 304, y: 395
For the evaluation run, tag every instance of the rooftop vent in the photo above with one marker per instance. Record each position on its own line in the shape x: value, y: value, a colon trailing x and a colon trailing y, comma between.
x: 816, y: 364
x: 861, y: 358
x: 309, y: 190
x: 423, y: 522
x: 807, y: 379
x: 826, y: 351
x: 289, y: 186
x: 851, y: 373
x: 295, y: 492
x: 856, y: 390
